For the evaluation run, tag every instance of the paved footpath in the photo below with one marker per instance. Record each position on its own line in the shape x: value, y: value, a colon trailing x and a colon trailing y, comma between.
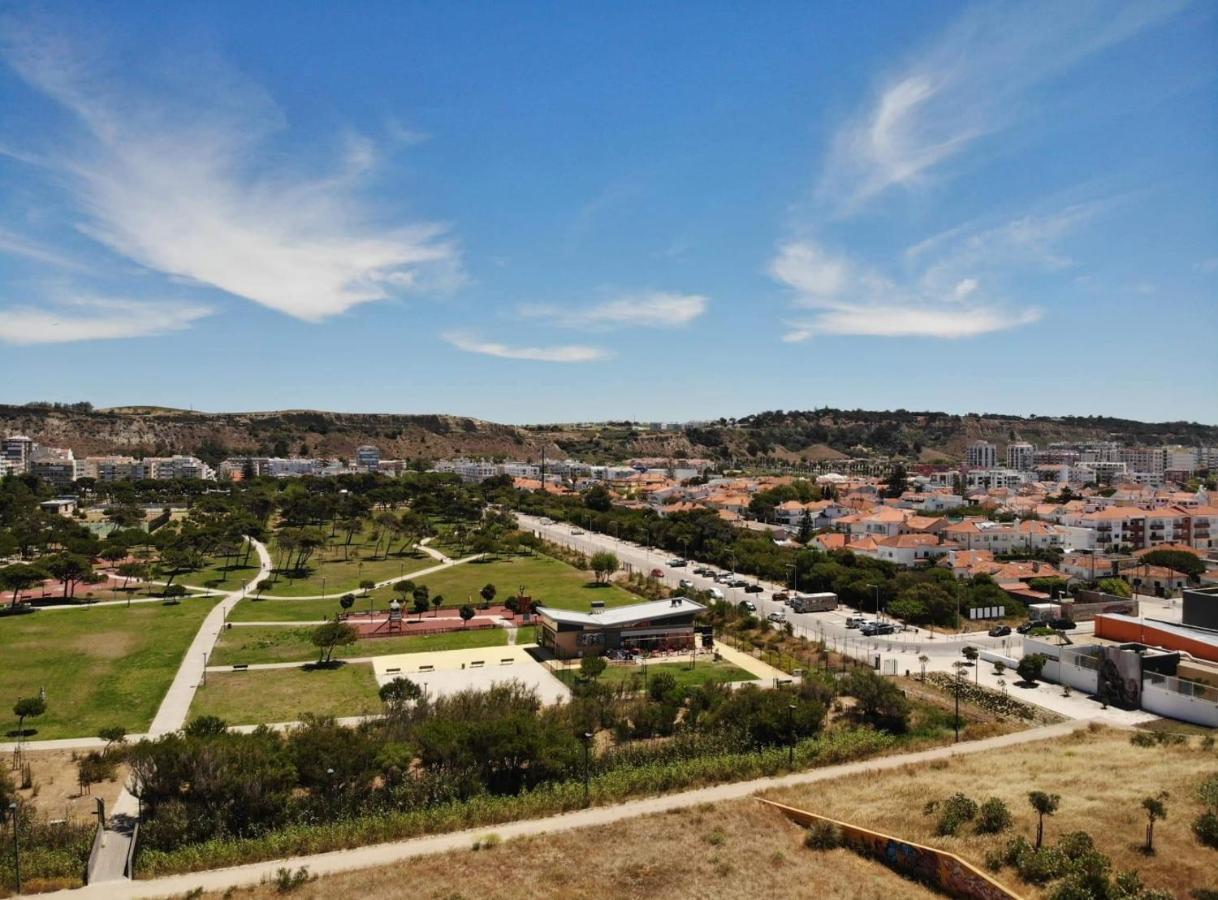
x: 385, y: 854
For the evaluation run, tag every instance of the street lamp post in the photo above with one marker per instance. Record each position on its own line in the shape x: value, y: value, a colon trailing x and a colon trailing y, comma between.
x: 876, y: 588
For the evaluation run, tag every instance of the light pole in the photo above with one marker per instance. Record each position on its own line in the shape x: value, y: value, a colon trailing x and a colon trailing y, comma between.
x: 876, y: 588
x: 12, y: 811
x: 587, y: 739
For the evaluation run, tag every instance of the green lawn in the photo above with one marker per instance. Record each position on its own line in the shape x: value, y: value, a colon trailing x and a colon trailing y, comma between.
x: 220, y: 576
x: 272, y: 644
x: 548, y: 581
x: 108, y: 665
x: 526, y: 634
x: 284, y: 695
x: 702, y: 673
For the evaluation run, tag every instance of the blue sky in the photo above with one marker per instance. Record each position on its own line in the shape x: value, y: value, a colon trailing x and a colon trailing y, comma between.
x: 548, y: 212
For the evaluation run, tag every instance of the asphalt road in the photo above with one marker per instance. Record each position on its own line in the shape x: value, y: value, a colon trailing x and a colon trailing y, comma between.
x: 829, y: 626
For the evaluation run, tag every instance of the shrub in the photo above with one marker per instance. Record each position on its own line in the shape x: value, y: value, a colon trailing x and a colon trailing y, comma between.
x: 1076, y: 844
x: 287, y: 881
x: 1142, y: 739
x: 1205, y: 828
x: 1043, y: 865
x: 954, y: 812
x: 993, y: 817
x: 823, y: 836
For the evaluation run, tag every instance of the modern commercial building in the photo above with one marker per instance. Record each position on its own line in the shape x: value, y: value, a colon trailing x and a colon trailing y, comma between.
x: 646, y: 627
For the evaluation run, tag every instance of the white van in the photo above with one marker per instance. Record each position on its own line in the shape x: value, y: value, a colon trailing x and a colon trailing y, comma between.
x: 715, y: 593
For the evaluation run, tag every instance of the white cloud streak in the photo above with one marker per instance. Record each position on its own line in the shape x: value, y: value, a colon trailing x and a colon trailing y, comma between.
x: 92, y: 319
x: 651, y: 309
x: 180, y: 177
x: 974, y: 81
x: 566, y: 353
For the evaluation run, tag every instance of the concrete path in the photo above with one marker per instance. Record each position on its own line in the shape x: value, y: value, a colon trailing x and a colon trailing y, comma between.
x: 433, y: 552
x: 110, y: 863
x: 431, y: 570
x: 763, y: 670
x: 385, y: 854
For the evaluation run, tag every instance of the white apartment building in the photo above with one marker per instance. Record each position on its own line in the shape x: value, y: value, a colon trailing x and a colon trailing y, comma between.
x: 164, y: 468
x: 1021, y: 456
x: 988, y: 479
x: 367, y: 457
x: 981, y: 455
x: 17, y: 450
x: 114, y: 468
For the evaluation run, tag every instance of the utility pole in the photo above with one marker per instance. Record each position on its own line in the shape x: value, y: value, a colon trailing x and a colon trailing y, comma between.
x: 12, y: 811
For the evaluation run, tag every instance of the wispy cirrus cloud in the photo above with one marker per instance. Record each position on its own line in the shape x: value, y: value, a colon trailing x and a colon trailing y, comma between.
x: 563, y: 353
x: 977, y: 79
x: 95, y: 318
x: 183, y: 175
x: 18, y: 245
x: 649, y: 309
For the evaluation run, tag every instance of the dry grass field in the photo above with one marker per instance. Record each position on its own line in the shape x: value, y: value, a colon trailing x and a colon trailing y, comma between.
x: 743, y: 850
x: 1101, y: 778
x: 732, y: 851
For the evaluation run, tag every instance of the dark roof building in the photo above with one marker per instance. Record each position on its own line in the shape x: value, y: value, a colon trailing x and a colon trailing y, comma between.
x: 653, y: 626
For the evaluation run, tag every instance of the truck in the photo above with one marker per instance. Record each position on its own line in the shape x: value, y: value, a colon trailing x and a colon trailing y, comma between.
x: 802, y: 603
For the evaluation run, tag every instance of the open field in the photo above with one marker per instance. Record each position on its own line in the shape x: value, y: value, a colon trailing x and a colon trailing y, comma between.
x: 548, y: 581
x: 220, y: 576
x: 284, y: 695
x: 272, y: 644
x: 729, y: 851
x: 1101, y: 778
x: 705, y: 671
x: 105, y: 666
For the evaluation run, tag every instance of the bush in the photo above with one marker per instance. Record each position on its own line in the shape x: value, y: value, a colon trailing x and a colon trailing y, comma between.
x: 287, y: 881
x: 1076, y: 844
x: 954, y: 812
x: 1142, y: 739
x: 1043, y: 865
x: 823, y: 836
x: 993, y: 817
x: 1205, y: 828
x: 1031, y: 666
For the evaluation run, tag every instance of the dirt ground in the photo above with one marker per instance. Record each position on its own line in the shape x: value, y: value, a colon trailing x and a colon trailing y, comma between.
x: 730, y: 851
x: 56, y: 791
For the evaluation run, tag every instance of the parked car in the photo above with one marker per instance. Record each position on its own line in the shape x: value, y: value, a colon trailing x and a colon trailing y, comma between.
x: 577, y: 531
x: 1000, y: 631
x: 678, y: 563
x: 777, y: 616
x: 715, y: 593
x: 685, y: 583
x: 753, y: 589
x: 854, y: 621
x: 1026, y: 627
x: 783, y: 597
x: 657, y: 573
x: 749, y: 605
x: 885, y: 628
x: 868, y: 629
x: 737, y: 583
x: 703, y: 570
x: 1062, y: 625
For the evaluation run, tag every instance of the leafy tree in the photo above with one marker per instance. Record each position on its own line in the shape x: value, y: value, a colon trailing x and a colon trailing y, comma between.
x: 70, y: 569
x: 467, y: 613
x: 399, y: 692
x: 174, y: 592
x: 487, y: 593
x: 993, y: 817
x: 897, y: 482
x: 805, y: 528
x: 205, y: 726
x: 604, y: 564
x: 662, y: 687
x: 346, y: 601
x: 366, y: 585
x: 880, y: 701
x: 592, y: 667
x: 598, y: 498
x: 20, y: 577
x: 954, y: 812
x: 1030, y: 667
x: 112, y: 734
x: 436, y: 602
x: 28, y: 708
x: 1179, y: 560
x: 1156, y: 808
x: 329, y: 636
x: 1044, y: 805
x: 1118, y: 587
x: 421, y: 600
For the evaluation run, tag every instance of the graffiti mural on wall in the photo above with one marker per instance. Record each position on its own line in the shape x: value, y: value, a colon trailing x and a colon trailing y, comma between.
x: 943, y: 870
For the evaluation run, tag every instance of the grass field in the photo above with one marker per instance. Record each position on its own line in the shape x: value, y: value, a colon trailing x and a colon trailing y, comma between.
x: 702, y: 673
x: 272, y: 644
x: 105, y: 666
x: 1100, y: 776
x: 284, y: 695
x: 547, y: 580
x: 526, y: 634
x: 729, y: 851
x: 219, y: 576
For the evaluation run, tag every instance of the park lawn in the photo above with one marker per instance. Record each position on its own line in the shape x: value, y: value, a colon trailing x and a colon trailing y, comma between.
x: 220, y: 576
x: 293, y: 609
x: 108, y: 665
x: 344, y: 575
x: 285, y: 695
x: 702, y: 673
x: 272, y: 644
x: 550, y: 582
x: 526, y: 634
